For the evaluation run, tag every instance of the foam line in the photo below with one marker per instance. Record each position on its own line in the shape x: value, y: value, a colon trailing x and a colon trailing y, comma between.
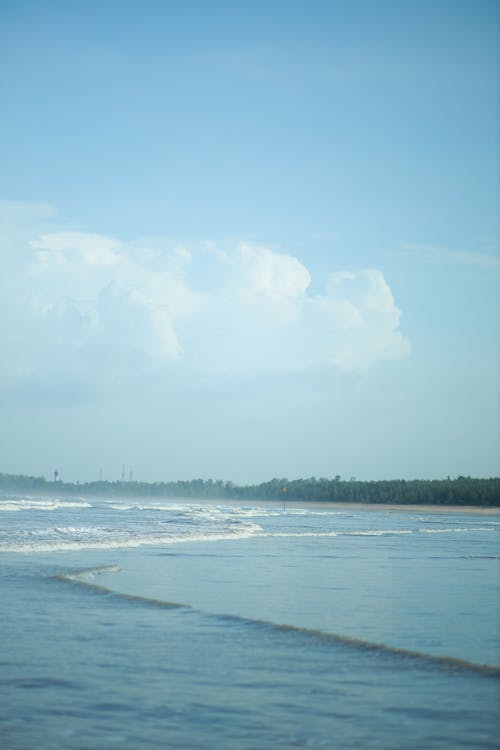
x: 19, y: 505
x: 154, y: 540
x: 84, y: 579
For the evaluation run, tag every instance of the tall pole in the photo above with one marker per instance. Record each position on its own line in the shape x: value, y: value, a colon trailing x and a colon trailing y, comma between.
x: 284, y: 497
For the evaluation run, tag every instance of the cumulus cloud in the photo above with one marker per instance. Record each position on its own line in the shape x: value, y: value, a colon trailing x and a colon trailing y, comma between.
x: 84, y: 302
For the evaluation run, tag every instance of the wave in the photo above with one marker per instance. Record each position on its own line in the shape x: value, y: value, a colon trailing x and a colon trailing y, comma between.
x: 298, y: 534
x: 138, y: 506
x: 76, y: 538
x: 361, y: 532
x: 377, y: 532
x: 88, y: 574
x: 63, y: 545
x: 447, y: 662
x: 454, y: 530
x: 85, y: 579
x: 31, y: 504
x: 369, y: 532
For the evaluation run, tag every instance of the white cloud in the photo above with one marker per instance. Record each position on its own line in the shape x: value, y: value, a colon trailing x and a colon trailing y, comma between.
x: 360, y: 314
x: 269, y: 274
x: 80, y: 302
x: 133, y: 320
x: 92, y: 249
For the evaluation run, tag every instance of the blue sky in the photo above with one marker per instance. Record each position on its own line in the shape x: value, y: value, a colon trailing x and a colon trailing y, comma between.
x: 250, y: 240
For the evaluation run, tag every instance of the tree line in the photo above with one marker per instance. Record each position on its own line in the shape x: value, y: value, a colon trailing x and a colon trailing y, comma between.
x: 458, y: 491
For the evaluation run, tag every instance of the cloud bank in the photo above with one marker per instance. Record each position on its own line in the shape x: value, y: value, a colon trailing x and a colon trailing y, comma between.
x: 78, y: 302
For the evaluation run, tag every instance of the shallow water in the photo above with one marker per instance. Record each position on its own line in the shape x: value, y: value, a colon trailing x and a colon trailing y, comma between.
x: 137, y: 624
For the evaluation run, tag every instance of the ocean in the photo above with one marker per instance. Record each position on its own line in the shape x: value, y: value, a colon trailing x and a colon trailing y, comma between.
x: 141, y: 623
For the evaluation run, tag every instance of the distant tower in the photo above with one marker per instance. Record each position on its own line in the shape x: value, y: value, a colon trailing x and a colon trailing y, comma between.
x: 130, y: 475
x: 56, y: 476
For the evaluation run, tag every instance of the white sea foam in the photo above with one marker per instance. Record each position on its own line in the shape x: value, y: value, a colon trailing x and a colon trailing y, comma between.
x: 31, y: 504
x: 221, y: 511
x: 128, y: 523
x: 455, y: 530
x: 90, y: 573
x: 148, y: 507
x: 299, y: 534
x: 63, y: 545
x: 377, y: 532
x: 369, y: 532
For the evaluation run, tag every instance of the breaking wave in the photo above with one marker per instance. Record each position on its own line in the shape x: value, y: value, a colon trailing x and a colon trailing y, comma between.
x: 123, y: 523
x: 81, y: 542
x: 14, y: 505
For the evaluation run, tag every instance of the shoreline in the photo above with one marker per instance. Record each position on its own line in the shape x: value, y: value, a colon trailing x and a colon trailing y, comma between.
x: 493, y: 510
x: 414, y: 508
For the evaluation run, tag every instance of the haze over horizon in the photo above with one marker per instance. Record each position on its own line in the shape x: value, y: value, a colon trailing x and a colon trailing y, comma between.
x: 245, y: 242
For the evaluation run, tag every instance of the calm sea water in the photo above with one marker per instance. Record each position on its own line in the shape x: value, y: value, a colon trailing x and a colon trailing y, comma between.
x: 153, y: 624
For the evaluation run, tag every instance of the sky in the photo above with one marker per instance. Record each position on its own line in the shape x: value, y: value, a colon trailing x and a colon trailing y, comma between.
x: 250, y: 240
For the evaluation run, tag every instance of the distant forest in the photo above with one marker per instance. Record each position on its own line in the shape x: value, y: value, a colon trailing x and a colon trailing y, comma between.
x: 459, y: 491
